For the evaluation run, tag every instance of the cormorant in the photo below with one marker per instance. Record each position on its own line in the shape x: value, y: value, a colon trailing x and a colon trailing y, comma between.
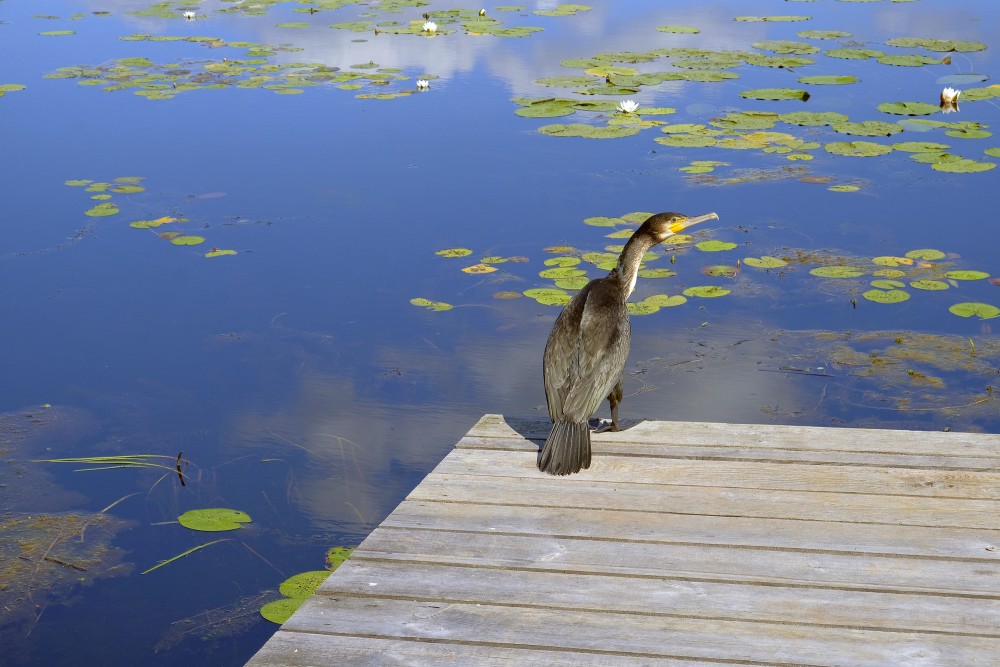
x: 587, y: 348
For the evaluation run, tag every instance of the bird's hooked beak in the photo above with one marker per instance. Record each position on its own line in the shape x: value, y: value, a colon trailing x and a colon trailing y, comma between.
x: 690, y: 222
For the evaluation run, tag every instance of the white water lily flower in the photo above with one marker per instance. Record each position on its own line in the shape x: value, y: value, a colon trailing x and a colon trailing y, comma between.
x: 423, y: 84
x: 949, y: 99
x: 189, y: 16
x: 430, y: 26
x: 627, y: 106
x: 482, y: 12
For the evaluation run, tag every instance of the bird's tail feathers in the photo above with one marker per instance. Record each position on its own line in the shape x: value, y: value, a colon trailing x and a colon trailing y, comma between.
x: 567, y: 449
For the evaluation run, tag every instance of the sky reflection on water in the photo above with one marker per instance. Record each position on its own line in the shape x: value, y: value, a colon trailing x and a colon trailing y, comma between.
x: 297, y: 378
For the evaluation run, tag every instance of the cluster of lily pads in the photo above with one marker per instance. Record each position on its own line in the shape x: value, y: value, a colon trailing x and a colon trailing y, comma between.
x: 103, y: 191
x: 892, y: 278
x: 159, y: 81
x: 298, y: 588
x: 11, y: 88
x: 613, y: 74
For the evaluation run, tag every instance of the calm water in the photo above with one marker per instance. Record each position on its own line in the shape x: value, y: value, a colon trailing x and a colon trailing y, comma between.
x: 297, y: 378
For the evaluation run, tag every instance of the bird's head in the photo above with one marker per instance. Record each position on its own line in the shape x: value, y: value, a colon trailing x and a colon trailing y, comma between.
x: 664, y: 225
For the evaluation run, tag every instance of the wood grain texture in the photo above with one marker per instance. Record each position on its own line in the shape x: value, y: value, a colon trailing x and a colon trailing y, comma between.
x: 684, y: 544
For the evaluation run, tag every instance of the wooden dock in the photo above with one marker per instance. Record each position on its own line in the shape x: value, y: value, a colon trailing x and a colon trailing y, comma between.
x: 685, y: 544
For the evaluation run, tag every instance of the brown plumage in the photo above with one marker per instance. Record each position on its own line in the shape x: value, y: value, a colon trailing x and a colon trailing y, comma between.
x: 586, y: 351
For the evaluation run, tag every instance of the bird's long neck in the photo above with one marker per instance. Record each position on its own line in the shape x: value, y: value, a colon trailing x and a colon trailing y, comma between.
x: 627, y: 271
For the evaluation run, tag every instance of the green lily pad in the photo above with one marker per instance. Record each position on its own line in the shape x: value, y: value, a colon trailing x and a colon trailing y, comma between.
x: 829, y: 80
x: 336, y: 556
x: 765, y: 262
x: 679, y: 29
x: 548, y: 296
x: 775, y: 94
x: 656, y: 273
x: 940, y: 45
x: 562, y: 261
x: 908, y: 108
x: 561, y: 272
x: 919, y: 146
x: 857, y: 148
x: 967, y: 275
x: 220, y: 252
x: 454, y: 252
x: 720, y: 271
x: 838, y: 271
x: 706, y: 291
x: 603, y: 221
x: 926, y: 254
x: 823, y: 34
x: 588, y: 131
x: 641, y: 308
x: 886, y: 284
x: 101, y: 210
x: 786, y: 47
x: 57, y: 33
x: 304, y: 584
x: 853, y: 54
x: 431, y: 305
x: 811, y: 119
x: 908, y: 60
x: 843, y: 188
x: 213, y: 519
x: 930, y: 285
x: 963, y: 166
x: 969, y: 308
x: 562, y: 10
x: 187, y: 240
x: 715, y: 245
x: 886, y: 296
x: 868, y: 128
x: 279, y: 611
x: 770, y: 19
x: 665, y: 301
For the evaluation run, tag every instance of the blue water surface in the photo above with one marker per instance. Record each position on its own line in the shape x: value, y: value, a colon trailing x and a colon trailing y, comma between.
x: 296, y: 376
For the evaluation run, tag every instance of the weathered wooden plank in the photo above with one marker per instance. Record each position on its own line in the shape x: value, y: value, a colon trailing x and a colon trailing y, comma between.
x: 685, y: 561
x: 778, y: 504
x: 664, y: 596
x: 302, y: 649
x: 764, y: 436
x: 742, y: 474
x: 613, y: 526
x: 638, y: 634
x: 736, y: 452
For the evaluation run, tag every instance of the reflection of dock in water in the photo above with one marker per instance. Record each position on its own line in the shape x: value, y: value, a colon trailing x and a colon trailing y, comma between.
x: 684, y: 544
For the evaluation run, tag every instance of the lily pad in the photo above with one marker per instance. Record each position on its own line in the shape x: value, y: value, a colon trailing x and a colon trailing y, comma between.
x: 775, y: 94
x: 213, y: 519
x: 868, y: 128
x: 908, y: 108
x: 101, y: 210
x: 454, y: 252
x: 838, y: 271
x: 765, y: 262
x: 720, y: 271
x: 715, y: 245
x: 941, y: 45
x: 908, y: 60
x: 641, y: 308
x: 304, y: 584
x: 967, y: 275
x: 679, y: 29
x: 969, y: 308
x: 843, y: 188
x: 930, y: 285
x: 187, y: 240
x: 706, y: 291
x: 656, y: 273
x: 589, y: 131
x: 926, y: 254
x: 829, y: 80
x: 279, y: 611
x: 548, y: 296
x: 919, y: 146
x: 220, y: 252
x: 963, y: 166
x: 812, y: 119
x: 431, y: 305
x: 886, y: 296
x: 857, y: 148
x: 665, y: 301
